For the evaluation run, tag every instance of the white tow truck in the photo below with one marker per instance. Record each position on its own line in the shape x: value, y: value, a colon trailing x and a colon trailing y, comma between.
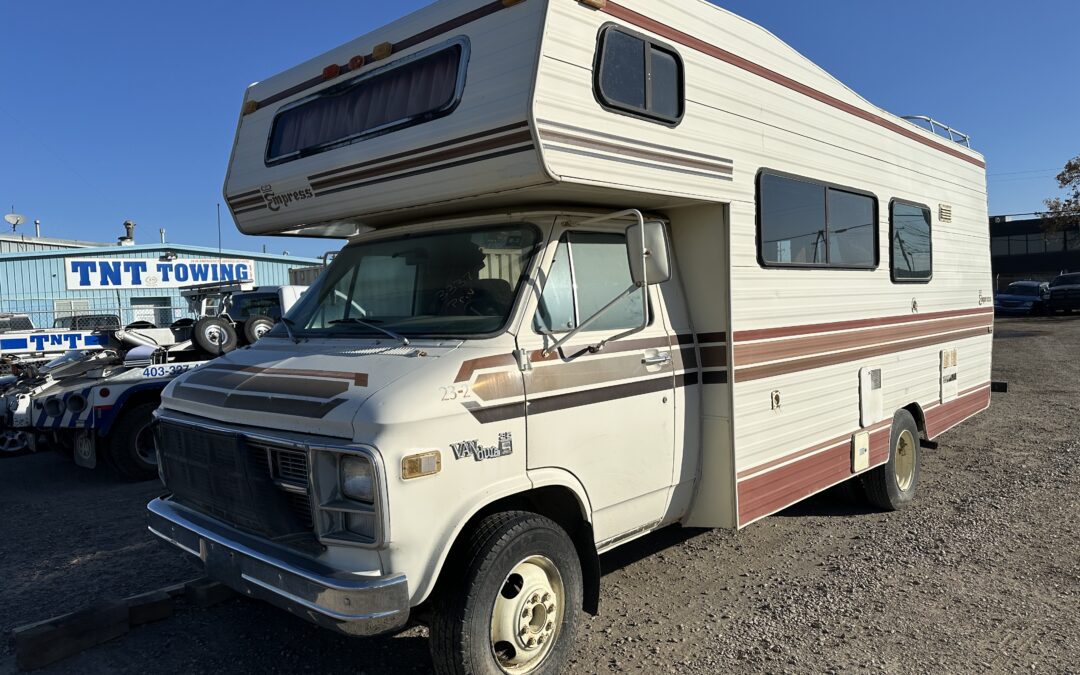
x: 612, y: 266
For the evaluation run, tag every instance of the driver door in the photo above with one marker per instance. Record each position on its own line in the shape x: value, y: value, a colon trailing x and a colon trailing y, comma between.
x: 606, y: 417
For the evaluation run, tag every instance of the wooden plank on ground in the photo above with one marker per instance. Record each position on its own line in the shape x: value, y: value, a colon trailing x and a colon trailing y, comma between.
x: 40, y: 644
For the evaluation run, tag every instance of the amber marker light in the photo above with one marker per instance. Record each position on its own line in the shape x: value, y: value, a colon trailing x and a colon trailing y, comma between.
x: 421, y: 464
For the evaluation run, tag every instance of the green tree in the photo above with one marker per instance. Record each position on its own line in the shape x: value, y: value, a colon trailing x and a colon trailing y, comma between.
x: 1061, y: 211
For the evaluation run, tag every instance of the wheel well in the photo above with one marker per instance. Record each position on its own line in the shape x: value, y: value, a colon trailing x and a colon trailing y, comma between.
x: 920, y: 418
x: 136, y: 398
x: 559, y: 504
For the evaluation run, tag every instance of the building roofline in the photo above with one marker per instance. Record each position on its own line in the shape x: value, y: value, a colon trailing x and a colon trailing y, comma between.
x: 177, y: 248
x: 50, y: 241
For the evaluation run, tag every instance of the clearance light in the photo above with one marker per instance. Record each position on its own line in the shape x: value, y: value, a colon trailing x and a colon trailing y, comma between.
x: 250, y: 107
x: 423, y: 464
x: 356, y: 63
x: 382, y: 50
x: 331, y: 71
x: 595, y: 4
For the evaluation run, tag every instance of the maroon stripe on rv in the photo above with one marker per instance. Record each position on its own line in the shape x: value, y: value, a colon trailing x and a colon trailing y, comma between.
x: 644, y: 22
x: 811, y: 362
x: 524, y: 136
x: 809, y: 329
x: 412, y: 41
x: 776, y: 489
x: 418, y: 151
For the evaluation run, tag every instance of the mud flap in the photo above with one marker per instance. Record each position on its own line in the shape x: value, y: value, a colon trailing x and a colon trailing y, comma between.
x: 86, y: 448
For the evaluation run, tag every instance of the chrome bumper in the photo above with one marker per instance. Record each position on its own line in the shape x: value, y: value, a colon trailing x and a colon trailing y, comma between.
x: 349, y: 604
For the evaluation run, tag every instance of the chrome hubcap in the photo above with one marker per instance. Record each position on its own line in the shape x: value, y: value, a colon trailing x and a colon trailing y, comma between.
x: 527, y: 615
x: 904, y: 460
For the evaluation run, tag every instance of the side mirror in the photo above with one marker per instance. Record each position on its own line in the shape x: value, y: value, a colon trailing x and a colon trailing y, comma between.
x: 647, y: 249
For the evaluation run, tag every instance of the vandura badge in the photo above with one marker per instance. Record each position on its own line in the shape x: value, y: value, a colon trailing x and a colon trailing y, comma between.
x: 480, y: 453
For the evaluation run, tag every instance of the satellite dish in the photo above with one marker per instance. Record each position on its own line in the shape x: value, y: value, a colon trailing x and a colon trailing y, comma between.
x: 15, y: 220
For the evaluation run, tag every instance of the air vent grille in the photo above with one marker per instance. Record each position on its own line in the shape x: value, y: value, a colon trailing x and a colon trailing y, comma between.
x: 945, y: 213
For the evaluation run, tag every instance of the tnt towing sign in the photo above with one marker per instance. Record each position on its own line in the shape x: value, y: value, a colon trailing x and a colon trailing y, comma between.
x: 97, y: 273
x: 49, y: 342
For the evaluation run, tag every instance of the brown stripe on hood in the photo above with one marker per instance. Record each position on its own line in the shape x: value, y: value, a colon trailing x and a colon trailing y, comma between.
x: 358, y: 379
x: 295, y: 386
x: 294, y: 407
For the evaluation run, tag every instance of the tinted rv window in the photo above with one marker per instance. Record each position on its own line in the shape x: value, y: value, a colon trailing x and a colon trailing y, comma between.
x: 911, y: 248
x: 638, y: 76
x: 415, y: 90
x: 803, y: 223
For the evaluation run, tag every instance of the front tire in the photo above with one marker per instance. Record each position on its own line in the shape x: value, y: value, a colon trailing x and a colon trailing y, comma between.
x: 892, y: 486
x: 512, y: 602
x: 131, y: 445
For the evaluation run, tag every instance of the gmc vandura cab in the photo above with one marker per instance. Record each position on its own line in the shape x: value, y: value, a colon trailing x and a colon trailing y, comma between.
x: 610, y: 267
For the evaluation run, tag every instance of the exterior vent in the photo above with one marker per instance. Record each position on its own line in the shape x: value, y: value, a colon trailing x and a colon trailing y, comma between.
x: 875, y: 379
x: 945, y: 213
x: 871, y: 396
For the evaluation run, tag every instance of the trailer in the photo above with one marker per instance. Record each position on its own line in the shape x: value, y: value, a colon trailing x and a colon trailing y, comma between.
x: 612, y: 266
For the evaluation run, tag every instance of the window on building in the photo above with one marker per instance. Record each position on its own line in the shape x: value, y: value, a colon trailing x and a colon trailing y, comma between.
x: 1036, y: 243
x: 1055, y: 241
x: 1018, y: 244
x: 1072, y: 240
x: 157, y: 311
x: 67, y: 309
x: 808, y: 223
x: 638, y: 76
x: 911, y: 247
x: 590, y: 270
x: 411, y: 91
x: 999, y: 246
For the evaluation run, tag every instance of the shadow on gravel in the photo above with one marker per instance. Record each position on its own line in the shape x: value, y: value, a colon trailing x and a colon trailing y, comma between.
x: 649, y: 545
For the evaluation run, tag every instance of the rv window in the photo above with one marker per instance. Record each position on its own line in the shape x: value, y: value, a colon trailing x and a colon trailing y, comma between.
x: 911, y: 249
x: 637, y: 76
x: 415, y: 90
x: 590, y: 270
x: 803, y: 223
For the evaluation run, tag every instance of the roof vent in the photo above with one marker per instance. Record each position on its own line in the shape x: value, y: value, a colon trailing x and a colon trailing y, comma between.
x: 129, y: 238
x: 944, y: 213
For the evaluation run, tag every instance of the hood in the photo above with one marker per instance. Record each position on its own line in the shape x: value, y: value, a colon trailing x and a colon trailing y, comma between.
x: 1007, y: 297
x: 316, y: 387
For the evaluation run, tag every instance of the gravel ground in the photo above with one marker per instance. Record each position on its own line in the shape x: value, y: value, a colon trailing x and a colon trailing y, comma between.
x: 981, y: 574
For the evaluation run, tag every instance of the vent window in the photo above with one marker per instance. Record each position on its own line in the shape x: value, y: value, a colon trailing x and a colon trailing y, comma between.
x: 411, y: 91
x: 639, y: 77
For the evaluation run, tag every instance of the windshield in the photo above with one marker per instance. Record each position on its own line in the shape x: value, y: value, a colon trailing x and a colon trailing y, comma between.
x: 1066, y: 280
x: 1022, y: 289
x: 448, y: 283
x: 246, y: 305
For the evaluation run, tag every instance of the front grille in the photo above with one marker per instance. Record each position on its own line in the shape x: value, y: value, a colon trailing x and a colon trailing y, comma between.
x: 252, y: 485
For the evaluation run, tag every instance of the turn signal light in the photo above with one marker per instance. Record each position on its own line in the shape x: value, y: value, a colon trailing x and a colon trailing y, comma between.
x: 422, y: 464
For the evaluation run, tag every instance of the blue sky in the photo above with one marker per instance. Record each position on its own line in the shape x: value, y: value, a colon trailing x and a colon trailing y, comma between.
x: 126, y: 109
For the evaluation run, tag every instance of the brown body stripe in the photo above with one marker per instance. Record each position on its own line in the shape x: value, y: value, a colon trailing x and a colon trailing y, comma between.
x: 810, y: 329
x: 675, y: 35
x: 709, y: 338
x: 714, y: 357
x: 809, y: 363
x: 769, y: 491
x: 760, y: 352
x: 358, y: 379
x: 422, y: 36
x: 640, y: 153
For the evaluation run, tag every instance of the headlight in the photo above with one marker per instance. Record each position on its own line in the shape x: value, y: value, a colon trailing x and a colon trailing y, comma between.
x: 358, y: 479
x: 54, y: 407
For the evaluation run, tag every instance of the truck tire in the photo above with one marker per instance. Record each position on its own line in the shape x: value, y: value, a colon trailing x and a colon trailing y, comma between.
x: 255, y: 327
x: 130, y: 447
x: 214, y: 336
x: 513, y: 601
x: 892, y: 485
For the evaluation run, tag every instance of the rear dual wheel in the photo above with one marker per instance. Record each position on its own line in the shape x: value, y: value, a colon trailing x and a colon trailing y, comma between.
x: 517, y: 604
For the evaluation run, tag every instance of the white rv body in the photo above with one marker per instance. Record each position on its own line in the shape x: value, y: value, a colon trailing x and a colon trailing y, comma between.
x: 755, y: 385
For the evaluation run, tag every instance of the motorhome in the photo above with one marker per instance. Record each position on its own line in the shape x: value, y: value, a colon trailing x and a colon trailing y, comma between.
x: 611, y: 266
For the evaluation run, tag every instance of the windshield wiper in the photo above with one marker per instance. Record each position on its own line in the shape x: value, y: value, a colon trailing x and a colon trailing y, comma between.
x: 367, y: 324
x: 288, y: 323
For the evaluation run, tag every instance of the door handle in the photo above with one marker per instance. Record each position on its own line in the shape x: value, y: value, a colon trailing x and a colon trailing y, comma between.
x: 658, y: 359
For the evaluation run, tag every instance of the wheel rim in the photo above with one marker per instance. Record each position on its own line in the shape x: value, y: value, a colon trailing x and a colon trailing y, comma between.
x: 261, y: 330
x: 144, y: 446
x: 214, y: 335
x: 904, y: 460
x: 528, y: 615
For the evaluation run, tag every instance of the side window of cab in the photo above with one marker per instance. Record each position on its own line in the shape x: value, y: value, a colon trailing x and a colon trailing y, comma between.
x: 589, y: 269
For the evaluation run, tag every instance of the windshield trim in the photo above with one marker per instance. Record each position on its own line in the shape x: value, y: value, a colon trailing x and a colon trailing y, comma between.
x: 522, y: 283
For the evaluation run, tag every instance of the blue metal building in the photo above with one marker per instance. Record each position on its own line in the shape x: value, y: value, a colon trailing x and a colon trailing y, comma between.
x: 53, y: 279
